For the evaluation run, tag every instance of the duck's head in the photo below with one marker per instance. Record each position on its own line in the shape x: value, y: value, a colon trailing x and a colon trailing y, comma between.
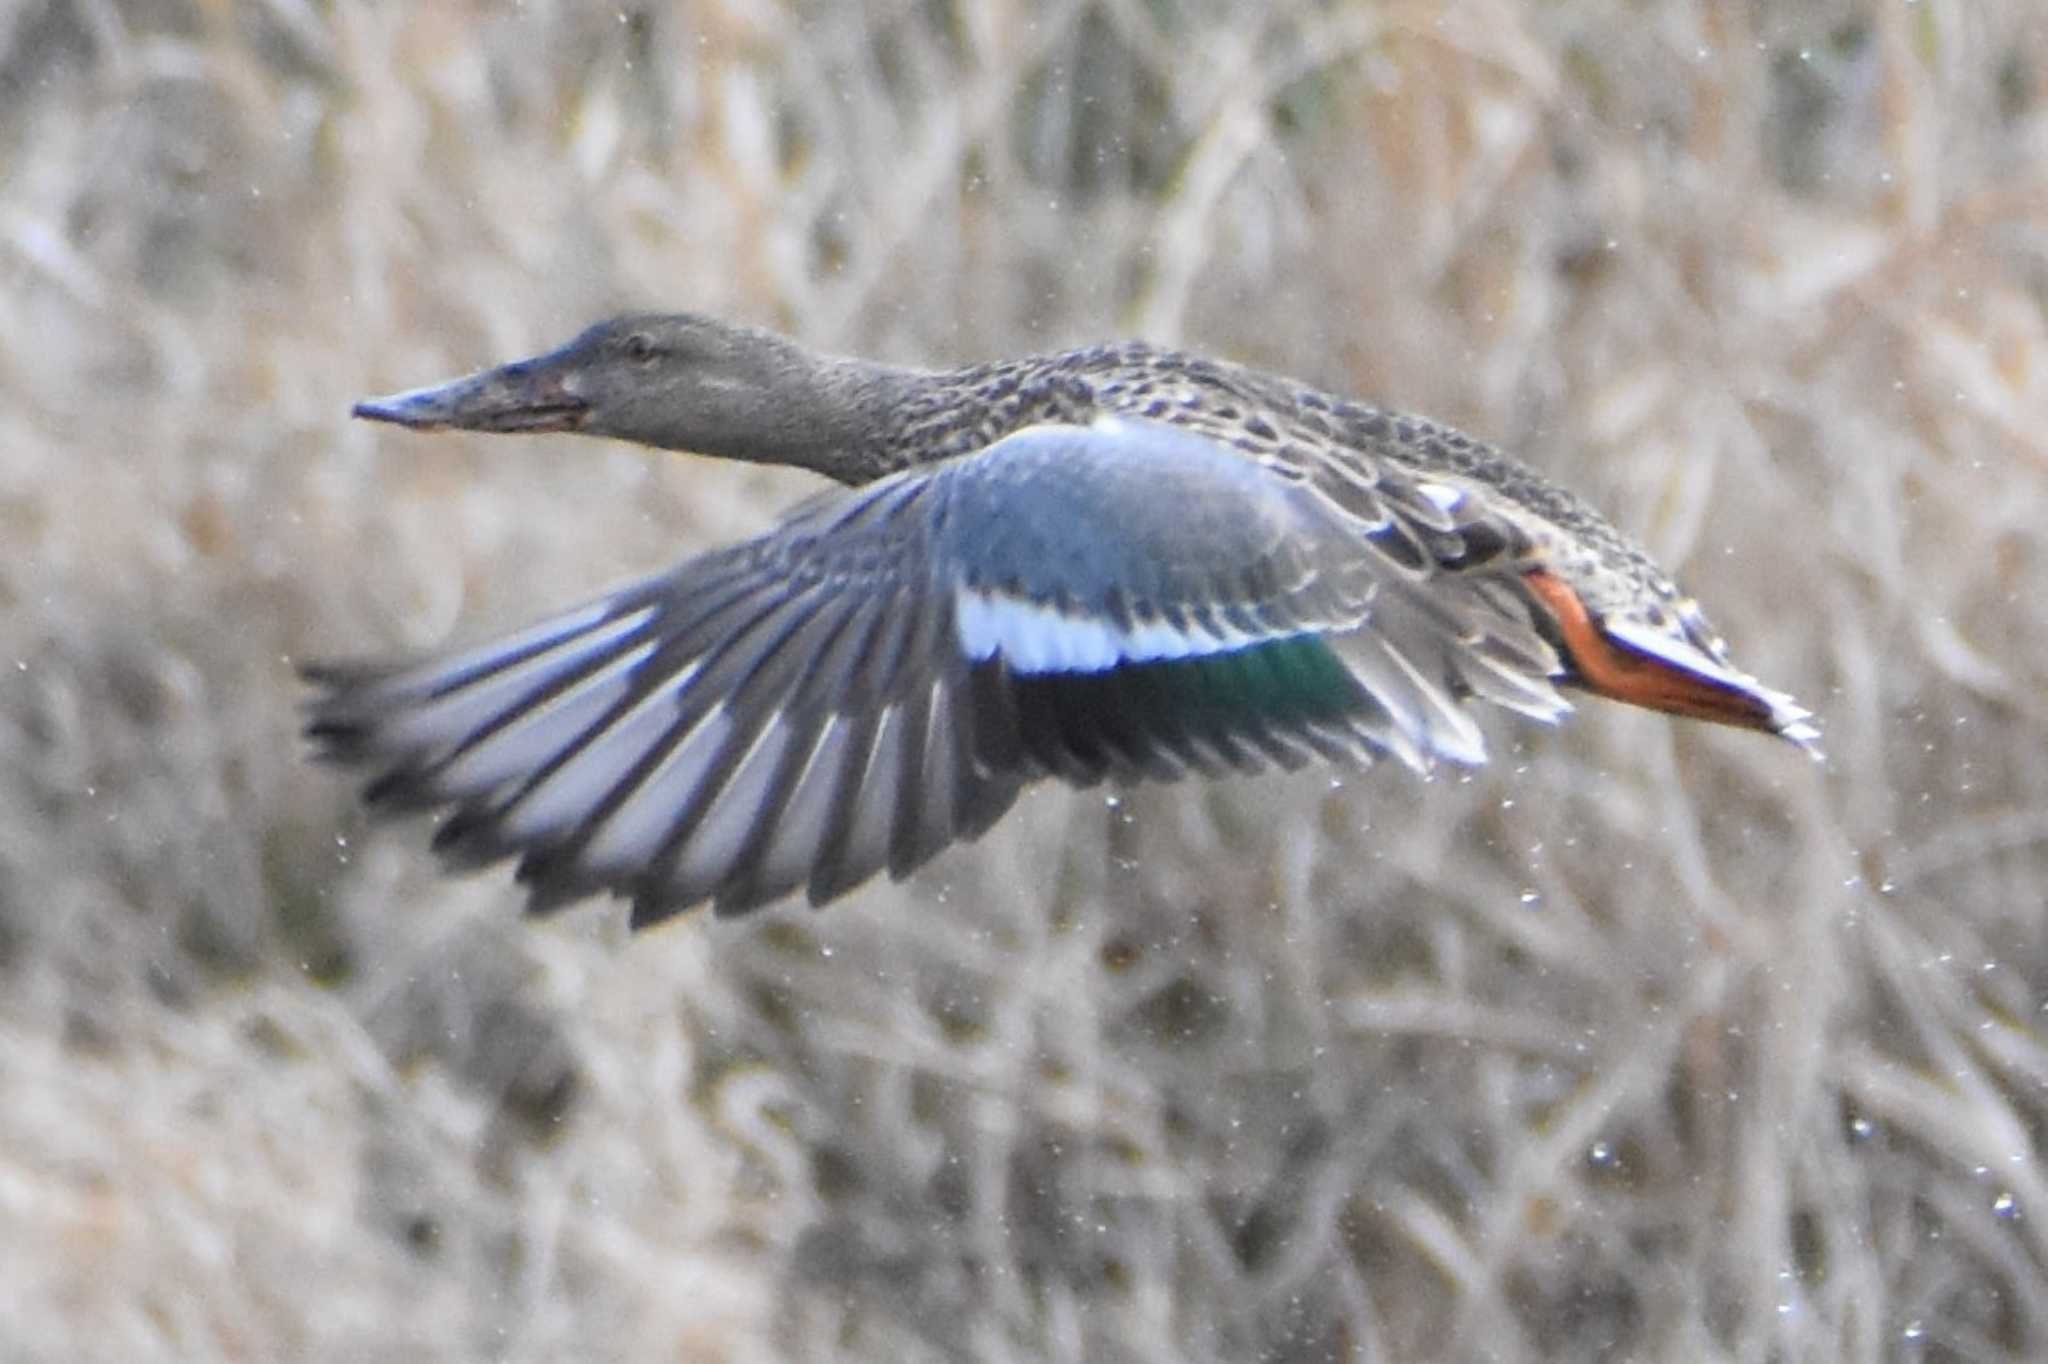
x: 678, y: 381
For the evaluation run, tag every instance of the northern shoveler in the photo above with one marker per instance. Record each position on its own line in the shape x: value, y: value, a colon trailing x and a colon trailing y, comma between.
x: 1119, y: 562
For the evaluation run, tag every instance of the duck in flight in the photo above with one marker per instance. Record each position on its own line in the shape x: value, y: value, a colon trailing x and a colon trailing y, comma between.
x: 1116, y: 563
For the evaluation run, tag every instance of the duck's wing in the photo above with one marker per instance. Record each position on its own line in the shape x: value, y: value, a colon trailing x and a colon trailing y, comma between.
x: 1451, y: 561
x: 880, y: 675
x: 1164, y: 603
x: 789, y: 712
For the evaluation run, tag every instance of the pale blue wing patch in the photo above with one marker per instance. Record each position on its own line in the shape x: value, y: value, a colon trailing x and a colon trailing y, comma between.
x: 1083, y: 548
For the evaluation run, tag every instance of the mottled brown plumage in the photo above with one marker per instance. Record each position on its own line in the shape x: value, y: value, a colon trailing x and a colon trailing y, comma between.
x: 1117, y: 562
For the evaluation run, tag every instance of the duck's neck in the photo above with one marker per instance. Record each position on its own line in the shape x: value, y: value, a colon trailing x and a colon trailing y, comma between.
x: 856, y: 429
x: 842, y: 418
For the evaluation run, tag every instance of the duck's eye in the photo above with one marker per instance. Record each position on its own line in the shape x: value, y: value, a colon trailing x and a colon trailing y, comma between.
x: 639, y: 347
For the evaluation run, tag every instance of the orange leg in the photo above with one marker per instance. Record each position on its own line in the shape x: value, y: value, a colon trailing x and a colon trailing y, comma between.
x: 1609, y: 668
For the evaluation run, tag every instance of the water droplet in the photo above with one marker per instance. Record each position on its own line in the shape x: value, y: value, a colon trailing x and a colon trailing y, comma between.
x: 1600, y: 1154
x: 1915, y: 1330
x: 1530, y: 897
x: 2005, y: 1207
x: 1861, y: 1129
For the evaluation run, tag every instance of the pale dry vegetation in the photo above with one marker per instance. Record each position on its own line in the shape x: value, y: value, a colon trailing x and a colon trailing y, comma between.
x: 1647, y: 1042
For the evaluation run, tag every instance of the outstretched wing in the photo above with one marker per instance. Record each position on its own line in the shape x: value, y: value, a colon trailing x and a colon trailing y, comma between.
x: 787, y: 712
x: 882, y: 674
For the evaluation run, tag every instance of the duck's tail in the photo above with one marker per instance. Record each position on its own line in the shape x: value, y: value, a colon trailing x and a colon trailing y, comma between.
x: 1662, y: 669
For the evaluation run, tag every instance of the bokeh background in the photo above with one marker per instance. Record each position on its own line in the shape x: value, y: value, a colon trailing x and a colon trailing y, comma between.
x: 1646, y: 1042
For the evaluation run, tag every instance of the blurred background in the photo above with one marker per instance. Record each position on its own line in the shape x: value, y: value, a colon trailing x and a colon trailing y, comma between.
x: 1649, y: 1041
